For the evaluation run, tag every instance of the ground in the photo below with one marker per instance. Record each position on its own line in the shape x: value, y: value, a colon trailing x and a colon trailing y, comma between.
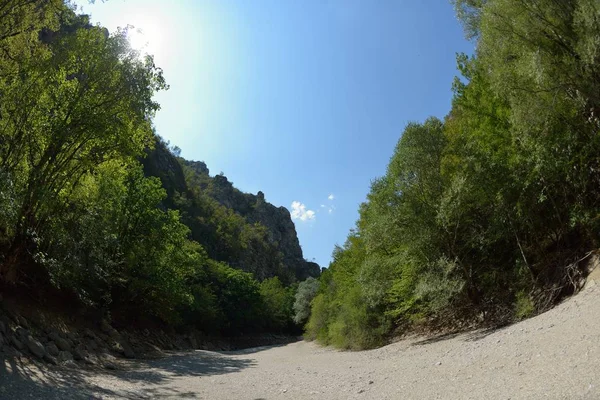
x: 555, y: 355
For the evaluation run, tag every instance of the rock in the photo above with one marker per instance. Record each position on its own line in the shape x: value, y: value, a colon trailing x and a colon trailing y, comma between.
x: 61, y: 343
x: 92, y: 345
x: 23, y: 322
x: 193, y: 342
x: 64, y: 356
x: 17, y: 343
x: 90, y: 360
x: 123, y: 348
x: 89, y: 333
x: 35, y: 347
x: 438, y: 363
x: 79, y: 353
x: 128, y: 352
x: 52, y: 349
x: 105, y: 327
x: 22, y: 333
x: 110, y: 365
x: 3, y: 327
x: 50, y: 359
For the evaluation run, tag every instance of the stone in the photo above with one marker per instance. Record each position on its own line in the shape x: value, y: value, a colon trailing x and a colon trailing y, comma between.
x: 52, y: 349
x: 35, y: 347
x: 128, y: 351
x: 89, y: 333
x: 23, y: 322
x: 110, y: 365
x: 64, y: 356
x: 90, y: 360
x: 61, y: 343
x: 50, y: 359
x: 3, y: 327
x: 92, y: 345
x: 105, y: 327
x: 79, y: 353
x: 193, y: 342
x: 22, y: 333
x: 123, y: 348
x: 10, y: 351
x: 17, y: 343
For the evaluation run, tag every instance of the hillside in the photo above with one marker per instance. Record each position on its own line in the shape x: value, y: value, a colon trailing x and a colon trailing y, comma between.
x: 198, y: 196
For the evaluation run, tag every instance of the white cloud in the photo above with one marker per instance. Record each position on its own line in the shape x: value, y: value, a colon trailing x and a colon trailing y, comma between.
x: 322, y: 205
x: 331, y: 197
x: 300, y: 212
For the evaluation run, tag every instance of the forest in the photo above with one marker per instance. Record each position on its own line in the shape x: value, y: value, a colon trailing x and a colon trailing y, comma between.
x: 483, y: 218
x: 487, y: 216
x: 95, y: 206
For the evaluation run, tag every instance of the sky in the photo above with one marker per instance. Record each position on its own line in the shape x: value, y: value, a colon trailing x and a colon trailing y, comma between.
x: 302, y: 100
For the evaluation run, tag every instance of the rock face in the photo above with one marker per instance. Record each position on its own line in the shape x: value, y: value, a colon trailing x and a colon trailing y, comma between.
x: 281, y: 231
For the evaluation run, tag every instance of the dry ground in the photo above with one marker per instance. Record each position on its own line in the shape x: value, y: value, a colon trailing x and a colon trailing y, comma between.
x: 553, y: 356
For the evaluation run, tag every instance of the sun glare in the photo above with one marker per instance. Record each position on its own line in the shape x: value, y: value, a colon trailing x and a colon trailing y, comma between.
x: 147, y: 35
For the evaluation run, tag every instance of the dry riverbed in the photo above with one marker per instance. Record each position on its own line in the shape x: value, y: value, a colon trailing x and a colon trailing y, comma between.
x: 553, y: 356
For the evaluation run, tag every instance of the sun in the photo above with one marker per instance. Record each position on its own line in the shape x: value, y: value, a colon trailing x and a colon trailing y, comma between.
x: 147, y: 35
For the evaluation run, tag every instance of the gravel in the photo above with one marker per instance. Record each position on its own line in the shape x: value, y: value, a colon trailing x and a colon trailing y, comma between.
x: 555, y: 355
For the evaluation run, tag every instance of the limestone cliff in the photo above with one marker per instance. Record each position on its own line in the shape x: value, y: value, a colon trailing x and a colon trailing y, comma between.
x: 188, y: 182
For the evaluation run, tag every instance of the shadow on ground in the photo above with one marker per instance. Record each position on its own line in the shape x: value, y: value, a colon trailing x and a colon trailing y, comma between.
x: 472, y: 336
x: 24, y: 379
x: 142, y: 379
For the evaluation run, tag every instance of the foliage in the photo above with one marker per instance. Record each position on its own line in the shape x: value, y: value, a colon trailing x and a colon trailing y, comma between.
x: 78, y: 210
x: 307, y: 290
x: 485, y: 213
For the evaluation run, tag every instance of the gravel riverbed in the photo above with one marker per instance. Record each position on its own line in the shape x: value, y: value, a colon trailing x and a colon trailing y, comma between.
x: 555, y: 355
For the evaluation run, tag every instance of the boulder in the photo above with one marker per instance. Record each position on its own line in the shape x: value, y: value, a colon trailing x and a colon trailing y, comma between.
x: 35, y: 347
x: 105, y: 327
x: 91, y: 360
x: 22, y: 333
x: 92, y: 345
x: 79, y: 353
x: 50, y: 359
x: 52, y: 349
x: 64, y: 356
x: 17, y: 343
x: 62, y: 344
x: 128, y: 351
x: 123, y: 348
x: 23, y: 322
x: 89, y: 333
x: 193, y: 342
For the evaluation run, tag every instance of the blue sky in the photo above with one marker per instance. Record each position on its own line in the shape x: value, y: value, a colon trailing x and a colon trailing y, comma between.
x: 303, y: 100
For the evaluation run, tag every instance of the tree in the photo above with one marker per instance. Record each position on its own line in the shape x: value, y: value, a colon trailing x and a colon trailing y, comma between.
x: 67, y: 115
x: 307, y: 290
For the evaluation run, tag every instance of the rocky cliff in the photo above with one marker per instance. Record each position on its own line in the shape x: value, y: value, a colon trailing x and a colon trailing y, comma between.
x: 281, y: 256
